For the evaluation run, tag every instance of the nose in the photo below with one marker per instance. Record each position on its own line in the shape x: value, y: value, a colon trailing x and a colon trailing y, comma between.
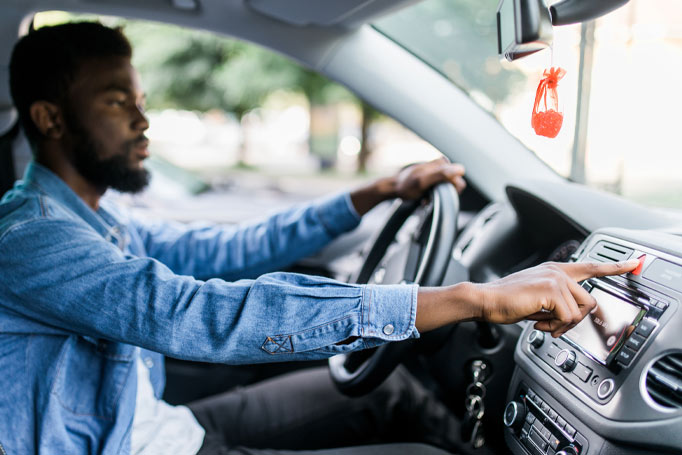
x: 140, y: 120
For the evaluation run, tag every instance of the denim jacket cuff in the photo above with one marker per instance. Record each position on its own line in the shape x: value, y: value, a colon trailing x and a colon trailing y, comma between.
x: 389, y: 312
x: 337, y: 214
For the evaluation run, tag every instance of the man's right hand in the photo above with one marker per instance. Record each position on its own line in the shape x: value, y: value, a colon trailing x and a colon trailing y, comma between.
x: 548, y: 293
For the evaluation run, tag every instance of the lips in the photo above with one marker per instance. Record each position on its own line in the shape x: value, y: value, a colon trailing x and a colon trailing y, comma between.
x: 140, y: 147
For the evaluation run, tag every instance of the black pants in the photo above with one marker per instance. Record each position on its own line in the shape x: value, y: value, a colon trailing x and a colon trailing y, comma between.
x: 302, y: 412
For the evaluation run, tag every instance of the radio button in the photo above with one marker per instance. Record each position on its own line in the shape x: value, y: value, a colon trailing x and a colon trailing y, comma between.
x: 634, y: 342
x: 605, y: 388
x: 661, y: 305
x: 514, y: 415
x: 641, y: 260
x: 569, y: 430
x: 566, y: 360
x: 625, y: 356
x: 568, y: 450
x: 538, y: 440
x: 525, y: 429
x: 583, y: 372
x: 536, y: 338
x: 580, y: 439
x: 552, y: 414
x: 645, y: 327
x: 560, y: 422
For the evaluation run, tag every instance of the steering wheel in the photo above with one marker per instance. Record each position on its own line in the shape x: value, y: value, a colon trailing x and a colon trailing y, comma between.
x: 417, y: 251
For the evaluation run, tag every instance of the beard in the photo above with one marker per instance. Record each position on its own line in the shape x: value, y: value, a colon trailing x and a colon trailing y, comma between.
x: 114, y: 172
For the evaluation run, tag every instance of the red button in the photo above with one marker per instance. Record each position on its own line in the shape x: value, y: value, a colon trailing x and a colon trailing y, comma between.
x: 641, y: 260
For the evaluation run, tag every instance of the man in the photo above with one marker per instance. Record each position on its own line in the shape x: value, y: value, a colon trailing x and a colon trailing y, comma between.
x: 90, y: 298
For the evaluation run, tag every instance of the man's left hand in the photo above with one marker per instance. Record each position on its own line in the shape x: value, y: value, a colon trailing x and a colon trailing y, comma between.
x: 413, y: 181
x: 410, y: 183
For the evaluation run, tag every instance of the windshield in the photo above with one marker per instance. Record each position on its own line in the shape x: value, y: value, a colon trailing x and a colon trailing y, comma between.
x: 620, y: 96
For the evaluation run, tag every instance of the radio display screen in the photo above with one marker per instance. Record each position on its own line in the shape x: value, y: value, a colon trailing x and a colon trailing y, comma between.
x: 602, y: 330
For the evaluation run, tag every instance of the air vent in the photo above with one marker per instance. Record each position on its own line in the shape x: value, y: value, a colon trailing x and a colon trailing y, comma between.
x: 664, y: 381
x: 610, y: 252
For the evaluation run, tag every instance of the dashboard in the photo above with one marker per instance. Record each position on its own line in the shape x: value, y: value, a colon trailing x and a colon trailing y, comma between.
x: 613, y: 384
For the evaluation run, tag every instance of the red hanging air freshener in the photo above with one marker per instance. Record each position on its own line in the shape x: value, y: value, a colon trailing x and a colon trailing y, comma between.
x: 547, y: 118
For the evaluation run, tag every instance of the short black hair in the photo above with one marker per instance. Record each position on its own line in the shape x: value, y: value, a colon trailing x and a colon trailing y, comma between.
x: 45, y: 61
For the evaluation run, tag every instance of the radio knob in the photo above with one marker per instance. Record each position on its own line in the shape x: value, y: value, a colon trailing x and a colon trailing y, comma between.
x: 568, y: 450
x: 565, y: 360
x: 536, y: 338
x: 514, y: 414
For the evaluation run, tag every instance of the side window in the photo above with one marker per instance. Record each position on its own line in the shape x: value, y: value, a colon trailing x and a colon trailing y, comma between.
x: 237, y: 126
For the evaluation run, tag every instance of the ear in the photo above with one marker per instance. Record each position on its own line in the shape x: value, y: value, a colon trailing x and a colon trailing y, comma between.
x: 48, y: 118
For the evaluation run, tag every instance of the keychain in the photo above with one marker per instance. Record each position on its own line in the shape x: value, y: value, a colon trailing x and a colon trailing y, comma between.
x: 472, y: 423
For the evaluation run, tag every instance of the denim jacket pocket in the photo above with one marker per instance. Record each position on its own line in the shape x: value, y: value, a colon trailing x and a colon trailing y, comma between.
x: 100, y: 368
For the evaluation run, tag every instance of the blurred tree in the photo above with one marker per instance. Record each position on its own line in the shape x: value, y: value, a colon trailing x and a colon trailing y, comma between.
x: 321, y: 93
x: 369, y: 114
x: 458, y: 38
x: 194, y: 70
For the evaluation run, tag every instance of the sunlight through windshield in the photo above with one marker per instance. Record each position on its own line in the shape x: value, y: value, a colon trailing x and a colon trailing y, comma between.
x: 628, y: 140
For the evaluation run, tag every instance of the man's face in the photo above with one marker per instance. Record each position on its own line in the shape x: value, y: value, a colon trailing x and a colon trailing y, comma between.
x: 105, y: 122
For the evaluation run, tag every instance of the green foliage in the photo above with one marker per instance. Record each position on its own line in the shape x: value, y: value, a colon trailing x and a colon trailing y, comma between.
x: 189, y: 69
x: 320, y: 90
x: 194, y: 70
x: 459, y: 39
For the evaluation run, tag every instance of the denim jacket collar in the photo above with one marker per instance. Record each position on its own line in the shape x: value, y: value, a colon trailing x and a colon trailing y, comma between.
x: 47, y: 182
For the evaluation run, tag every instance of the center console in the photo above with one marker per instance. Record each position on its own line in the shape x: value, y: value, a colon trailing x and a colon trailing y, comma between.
x: 613, y: 383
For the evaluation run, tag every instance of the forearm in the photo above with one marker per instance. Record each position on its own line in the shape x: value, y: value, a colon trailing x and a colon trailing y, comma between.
x: 437, y: 307
x: 249, y: 250
x: 367, y: 197
x: 548, y: 293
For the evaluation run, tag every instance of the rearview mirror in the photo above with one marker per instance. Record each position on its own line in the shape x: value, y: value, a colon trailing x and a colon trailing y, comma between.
x: 523, y: 28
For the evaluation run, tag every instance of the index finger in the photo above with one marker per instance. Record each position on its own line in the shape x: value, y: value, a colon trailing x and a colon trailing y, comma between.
x: 583, y: 270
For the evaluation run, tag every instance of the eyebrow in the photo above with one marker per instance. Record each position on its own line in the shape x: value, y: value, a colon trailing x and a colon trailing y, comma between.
x: 116, y: 88
x: 121, y: 88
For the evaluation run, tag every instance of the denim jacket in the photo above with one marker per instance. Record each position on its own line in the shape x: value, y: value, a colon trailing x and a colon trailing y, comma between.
x: 79, y: 289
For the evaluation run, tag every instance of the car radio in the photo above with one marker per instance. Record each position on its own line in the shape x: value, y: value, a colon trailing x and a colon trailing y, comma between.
x: 621, y: 363
x: 540, y: 428
x: 591, y: 355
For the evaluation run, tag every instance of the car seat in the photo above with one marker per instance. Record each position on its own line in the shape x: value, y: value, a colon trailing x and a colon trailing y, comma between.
x: 15, y: 152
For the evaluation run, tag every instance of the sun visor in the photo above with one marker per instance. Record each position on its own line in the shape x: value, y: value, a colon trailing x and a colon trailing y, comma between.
x: 8, y: 115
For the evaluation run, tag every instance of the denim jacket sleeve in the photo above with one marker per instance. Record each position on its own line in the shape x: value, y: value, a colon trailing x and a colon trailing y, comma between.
x: 247, y: 251
x: 63, y: 274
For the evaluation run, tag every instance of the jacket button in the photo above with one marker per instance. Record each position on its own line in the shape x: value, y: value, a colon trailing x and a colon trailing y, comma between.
x: 148, y: 362
x: 388, y: 329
